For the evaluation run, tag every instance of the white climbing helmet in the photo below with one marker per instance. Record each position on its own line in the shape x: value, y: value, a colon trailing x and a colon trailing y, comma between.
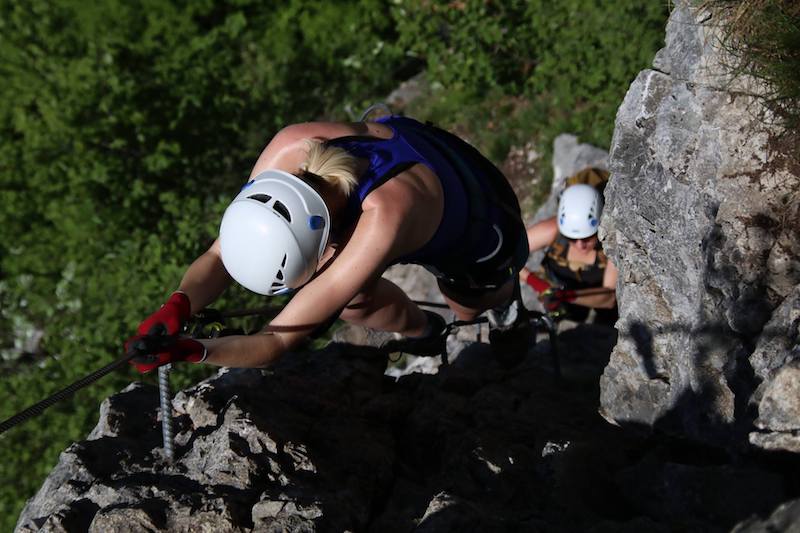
x: 274, y: 233
x: 579, y: 211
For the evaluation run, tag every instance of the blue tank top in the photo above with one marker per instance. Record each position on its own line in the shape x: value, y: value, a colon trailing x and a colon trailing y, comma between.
x: 468, y: 215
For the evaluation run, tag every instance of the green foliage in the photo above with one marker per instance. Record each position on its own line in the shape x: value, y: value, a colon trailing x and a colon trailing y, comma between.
x: 533, y: 69
x: 128, y: 126
x: 763, y: 37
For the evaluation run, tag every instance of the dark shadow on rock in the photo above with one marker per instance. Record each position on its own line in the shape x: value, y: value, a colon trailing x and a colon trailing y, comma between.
x: 692, y: 413
x: 77, y: 516
x: 643, y: 339
x: 324, y: 441
x: 698, y: 494
x: 698, y: 470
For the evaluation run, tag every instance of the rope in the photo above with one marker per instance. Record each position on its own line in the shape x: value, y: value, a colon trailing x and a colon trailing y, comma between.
x: 434, y: 305
x: 37, y: 409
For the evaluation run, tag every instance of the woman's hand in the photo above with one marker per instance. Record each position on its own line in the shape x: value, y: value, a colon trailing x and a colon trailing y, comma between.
x: 537, y: 284
x: 553, y: 299
x: 169, y: 318
x: 153, y: 351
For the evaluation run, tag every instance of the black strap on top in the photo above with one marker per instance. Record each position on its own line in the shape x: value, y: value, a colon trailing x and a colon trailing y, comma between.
x: 476, y: 194
x: 380, y: 180
x: 498, y: 181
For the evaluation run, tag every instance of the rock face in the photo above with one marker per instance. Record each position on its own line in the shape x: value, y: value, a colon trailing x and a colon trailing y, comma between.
x: 785, y: 518
x: 701, y: 217
x: 324, y: 441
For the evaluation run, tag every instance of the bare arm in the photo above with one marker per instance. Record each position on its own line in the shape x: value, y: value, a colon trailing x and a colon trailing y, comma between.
x: 205, y: 279
x: 384, y: 231
x: 540, y: 235
x: 362, y: 259
x: 604, y: 300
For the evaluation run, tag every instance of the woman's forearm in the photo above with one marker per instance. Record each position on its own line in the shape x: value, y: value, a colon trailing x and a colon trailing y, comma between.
x: 604, y: 300
x: 245, y: 351
x: 205, y: 280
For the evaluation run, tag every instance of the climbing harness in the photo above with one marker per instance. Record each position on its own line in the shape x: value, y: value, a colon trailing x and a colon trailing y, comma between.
x: 539, y: 320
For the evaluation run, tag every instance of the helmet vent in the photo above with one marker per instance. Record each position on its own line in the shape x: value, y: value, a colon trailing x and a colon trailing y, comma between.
x: 282, y: 210
x: 263, y: 198
x: 283, y: 263
x: 279, y: 275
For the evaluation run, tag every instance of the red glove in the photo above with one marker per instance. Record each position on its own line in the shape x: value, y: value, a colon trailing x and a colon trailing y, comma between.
x: 537, y: 283
x: 173, y: 315
x: 153, y: 351
x: 550, y: 302
x: 553, y: 299
x: 565, y: 295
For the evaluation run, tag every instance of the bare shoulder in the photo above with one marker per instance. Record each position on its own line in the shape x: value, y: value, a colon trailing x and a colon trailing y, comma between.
x: 542, y: 234
x: 287, y: 149
x: 547, y: 227
x: 330, y: 130
x: 409, y: 207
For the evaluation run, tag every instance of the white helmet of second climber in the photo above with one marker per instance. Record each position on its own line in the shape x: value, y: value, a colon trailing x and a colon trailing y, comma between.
x: 274, y: 233
x: 579, y: 211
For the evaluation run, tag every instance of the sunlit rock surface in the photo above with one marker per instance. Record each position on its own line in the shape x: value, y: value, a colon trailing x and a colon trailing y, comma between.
x: 701, y: 217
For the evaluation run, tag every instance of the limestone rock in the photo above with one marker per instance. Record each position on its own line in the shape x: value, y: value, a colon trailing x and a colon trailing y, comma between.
x: 779, y: 343
x: 687, y: 494
x: 779, y: 411
x: 785, y: 518
x: 700, y: 218
x: 324, y: 441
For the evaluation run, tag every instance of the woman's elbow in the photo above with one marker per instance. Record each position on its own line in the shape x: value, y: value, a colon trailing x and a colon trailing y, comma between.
x: 609, y: 303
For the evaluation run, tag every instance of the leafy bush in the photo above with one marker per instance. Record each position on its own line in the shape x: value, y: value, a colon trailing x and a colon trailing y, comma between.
x: 533, y: 69
x: 127, y: 126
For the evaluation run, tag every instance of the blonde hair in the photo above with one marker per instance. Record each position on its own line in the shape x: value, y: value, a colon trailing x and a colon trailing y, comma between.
x: 331, y: 164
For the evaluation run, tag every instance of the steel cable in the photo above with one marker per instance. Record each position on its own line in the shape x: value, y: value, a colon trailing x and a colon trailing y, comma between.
x: 37, y: 408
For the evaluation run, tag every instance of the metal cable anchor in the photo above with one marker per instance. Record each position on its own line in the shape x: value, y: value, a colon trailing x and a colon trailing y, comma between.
x: 166, y: 410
